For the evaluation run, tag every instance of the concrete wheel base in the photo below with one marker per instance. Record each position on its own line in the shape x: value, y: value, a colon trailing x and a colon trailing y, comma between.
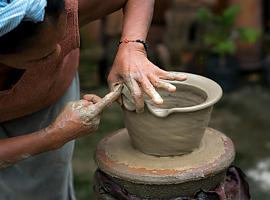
x: 147, y: 176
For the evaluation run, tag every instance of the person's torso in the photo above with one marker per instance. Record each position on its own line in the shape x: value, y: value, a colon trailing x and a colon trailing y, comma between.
x: 24, y: 91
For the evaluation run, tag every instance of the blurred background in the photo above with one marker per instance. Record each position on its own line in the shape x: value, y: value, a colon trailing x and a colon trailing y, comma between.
x: 225, y: 40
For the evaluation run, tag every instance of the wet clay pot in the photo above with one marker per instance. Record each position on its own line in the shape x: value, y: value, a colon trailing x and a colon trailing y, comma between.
x: 178, y: 125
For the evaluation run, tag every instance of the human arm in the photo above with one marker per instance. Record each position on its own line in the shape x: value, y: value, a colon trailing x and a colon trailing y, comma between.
x: 77, y: 119
x: 131, y: 65
x: 70, y: 124
x: 95, y: 9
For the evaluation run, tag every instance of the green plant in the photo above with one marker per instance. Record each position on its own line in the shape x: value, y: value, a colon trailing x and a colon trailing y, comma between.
x: 220, y: 33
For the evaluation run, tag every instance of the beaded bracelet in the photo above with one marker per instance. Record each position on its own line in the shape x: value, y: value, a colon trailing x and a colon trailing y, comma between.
x: 138, y: 41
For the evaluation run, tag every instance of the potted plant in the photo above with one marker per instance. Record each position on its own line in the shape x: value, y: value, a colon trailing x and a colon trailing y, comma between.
x: 219, y: 42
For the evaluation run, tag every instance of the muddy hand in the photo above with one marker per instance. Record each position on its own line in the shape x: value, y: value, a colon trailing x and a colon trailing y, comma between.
x: 79, y: 118
x: 132, y: 67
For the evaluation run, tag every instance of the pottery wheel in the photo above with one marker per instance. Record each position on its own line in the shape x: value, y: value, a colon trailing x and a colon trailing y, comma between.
x: 116, y: 157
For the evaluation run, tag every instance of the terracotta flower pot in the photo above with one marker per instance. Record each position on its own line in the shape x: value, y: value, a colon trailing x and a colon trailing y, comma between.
x: 178, y: 125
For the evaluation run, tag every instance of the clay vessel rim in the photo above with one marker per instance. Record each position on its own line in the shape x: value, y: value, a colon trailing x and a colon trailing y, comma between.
x: 210, y: 87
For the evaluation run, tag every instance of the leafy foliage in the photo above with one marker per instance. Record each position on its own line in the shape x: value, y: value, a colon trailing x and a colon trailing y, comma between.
x: 220, y: 33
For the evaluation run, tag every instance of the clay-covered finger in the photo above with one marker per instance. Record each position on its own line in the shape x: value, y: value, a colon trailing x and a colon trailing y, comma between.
x: 151, y: 92
x: 113, y: 86
x: 92, y: 98
x: 136, y: 94
x: 106, y: 101
x: 166, y: 86
x: 115, y: 92
x: 161, y: 84
x: 173, y: 76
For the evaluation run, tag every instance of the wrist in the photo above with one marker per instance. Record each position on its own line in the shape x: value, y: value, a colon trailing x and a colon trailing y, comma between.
x: 139, y: 41
x: 132, y: 46
x: 52, y: 137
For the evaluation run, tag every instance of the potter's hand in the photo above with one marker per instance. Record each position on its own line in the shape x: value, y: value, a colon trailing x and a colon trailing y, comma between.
x: 132, y: 67
x: 79, y: 118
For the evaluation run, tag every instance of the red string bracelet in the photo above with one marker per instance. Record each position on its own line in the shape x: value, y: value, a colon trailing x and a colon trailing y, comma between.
x: 138, y: 41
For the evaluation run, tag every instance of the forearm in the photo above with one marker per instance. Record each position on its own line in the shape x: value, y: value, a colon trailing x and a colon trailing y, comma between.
x: 137, y: 19
x: 95, y: 9
x: 137, y: 14
x: 77, y: 119
x: 19, y: 148
x: 131, y: 65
